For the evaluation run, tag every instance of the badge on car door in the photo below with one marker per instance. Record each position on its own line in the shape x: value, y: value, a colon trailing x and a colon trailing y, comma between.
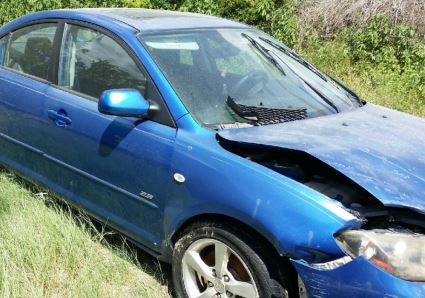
x: 146, y: 195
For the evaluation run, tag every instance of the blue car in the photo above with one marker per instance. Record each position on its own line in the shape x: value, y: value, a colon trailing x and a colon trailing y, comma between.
x: 216, y: 148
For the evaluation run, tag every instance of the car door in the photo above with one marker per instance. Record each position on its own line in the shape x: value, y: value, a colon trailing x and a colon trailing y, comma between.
x: 25, y: 71
x: 115, y: 167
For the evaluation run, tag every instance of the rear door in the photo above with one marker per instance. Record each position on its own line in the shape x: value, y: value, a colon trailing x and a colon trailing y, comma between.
x: 25, y: 75
x: 115, y: 167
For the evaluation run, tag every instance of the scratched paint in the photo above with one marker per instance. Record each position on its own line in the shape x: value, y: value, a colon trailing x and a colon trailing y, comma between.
x: 380, y: 149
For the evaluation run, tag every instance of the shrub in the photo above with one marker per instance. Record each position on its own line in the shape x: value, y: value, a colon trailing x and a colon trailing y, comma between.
x: 379, y: 42
x: 281, y: 20
x: 277, y: 17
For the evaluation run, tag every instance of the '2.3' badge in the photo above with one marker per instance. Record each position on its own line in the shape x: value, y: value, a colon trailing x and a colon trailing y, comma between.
x: 146, y: 195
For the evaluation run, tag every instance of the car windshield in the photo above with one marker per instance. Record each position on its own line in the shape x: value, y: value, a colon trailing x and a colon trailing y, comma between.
x: 237, y: 78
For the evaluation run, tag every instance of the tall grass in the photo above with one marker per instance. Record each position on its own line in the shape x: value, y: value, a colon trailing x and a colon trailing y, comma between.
x: 330, y: 17
x: 48, y: 251
x: 375, y: 83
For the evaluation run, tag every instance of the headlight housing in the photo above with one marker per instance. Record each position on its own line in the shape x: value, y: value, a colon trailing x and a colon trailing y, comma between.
x: 402, y: 254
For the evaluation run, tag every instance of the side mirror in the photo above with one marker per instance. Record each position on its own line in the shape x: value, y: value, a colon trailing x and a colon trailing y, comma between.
x: 123, y: 102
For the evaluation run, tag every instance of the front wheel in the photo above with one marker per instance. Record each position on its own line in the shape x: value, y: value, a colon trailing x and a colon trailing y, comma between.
x: 216, y: 261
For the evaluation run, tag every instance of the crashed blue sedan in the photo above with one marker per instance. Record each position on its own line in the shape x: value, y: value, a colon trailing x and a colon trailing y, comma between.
x: 216, y: 148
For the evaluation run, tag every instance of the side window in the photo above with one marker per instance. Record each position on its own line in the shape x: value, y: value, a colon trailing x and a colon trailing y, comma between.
x: 3, y: 44
x: 91, y: 62
x: 30, y: 50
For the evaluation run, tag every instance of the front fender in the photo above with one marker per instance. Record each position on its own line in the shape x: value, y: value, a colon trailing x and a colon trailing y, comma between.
x: 297, y: 220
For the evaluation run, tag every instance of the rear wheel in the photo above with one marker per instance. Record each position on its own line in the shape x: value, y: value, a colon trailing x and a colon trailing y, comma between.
x: 216, y: 261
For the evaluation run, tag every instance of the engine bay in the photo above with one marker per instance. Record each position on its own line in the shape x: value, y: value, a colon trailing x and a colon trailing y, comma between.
x: 313, y: 173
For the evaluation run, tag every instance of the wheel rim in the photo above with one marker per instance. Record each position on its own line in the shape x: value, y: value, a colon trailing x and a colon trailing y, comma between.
x: 210, y: 268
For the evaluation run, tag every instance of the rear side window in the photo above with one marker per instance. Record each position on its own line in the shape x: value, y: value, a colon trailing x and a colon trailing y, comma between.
x: 30, y: 50
x: 92, y: 62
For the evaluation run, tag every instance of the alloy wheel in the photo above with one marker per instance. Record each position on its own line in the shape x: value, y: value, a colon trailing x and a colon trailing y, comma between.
x: 210, y: 268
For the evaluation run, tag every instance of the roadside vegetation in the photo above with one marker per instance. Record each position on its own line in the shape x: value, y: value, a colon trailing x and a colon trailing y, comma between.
x: 48, y: 250
x: 375, y: 47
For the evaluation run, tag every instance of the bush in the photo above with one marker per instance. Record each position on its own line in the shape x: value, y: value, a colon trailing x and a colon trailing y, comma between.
x: 395, y: 48
x: 379, y: 42
x: 277, y: 17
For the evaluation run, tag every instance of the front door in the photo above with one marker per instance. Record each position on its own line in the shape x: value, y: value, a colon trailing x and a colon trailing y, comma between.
x: 115, y: 167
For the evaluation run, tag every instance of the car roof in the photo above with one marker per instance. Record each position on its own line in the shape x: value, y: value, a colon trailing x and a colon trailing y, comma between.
x: 154, y: 20
x: 143, y: 20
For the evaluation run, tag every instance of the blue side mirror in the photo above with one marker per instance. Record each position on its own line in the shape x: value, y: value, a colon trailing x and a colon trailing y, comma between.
x: 123, y: 102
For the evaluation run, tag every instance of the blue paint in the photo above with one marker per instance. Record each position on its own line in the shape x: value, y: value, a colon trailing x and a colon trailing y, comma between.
x: 123, y: 102
x: 103, y: 163
x: 358, y: 278
x: 378, y: 148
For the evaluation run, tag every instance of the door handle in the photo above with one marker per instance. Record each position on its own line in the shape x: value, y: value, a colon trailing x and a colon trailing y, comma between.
x: 60, y: 117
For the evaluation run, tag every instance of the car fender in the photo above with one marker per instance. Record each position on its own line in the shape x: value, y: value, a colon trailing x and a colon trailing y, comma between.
x: 298, y: 221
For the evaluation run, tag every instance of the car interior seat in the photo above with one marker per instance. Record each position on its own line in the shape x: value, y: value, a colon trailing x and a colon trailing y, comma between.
x: 36, y: 58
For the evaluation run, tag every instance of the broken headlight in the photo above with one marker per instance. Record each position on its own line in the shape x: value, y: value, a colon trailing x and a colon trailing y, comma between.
x: 401, y: 254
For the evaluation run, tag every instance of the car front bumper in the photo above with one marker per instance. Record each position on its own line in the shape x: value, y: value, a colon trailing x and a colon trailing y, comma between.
x: 357, y: 278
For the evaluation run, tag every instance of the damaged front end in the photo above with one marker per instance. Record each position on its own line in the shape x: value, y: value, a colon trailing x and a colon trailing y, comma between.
x: 314, y: 173
x: 399, y: 252
x: 390, y: 243
x: 379, y: 263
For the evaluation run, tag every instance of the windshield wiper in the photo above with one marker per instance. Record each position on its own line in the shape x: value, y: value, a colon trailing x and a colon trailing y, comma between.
x: 322, y: 96
x: 265, y: 52
x: 295, y: 56
x: 311, y: 67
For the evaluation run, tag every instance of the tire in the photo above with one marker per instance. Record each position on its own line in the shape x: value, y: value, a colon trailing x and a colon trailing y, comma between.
x: 246, y: 274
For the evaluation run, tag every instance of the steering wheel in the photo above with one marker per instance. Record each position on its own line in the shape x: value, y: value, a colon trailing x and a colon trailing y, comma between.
x: 251, y: 84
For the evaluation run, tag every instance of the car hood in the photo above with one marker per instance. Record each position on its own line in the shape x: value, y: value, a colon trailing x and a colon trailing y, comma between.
x: 380, y: 149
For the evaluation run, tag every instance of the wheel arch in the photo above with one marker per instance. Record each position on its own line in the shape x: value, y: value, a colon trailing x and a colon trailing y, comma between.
x: 284, y: 269
x: 217, y: 218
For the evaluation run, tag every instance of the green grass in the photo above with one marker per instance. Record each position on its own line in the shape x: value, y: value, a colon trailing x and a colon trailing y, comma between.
x: 46, y: 250
x: 374, y: 83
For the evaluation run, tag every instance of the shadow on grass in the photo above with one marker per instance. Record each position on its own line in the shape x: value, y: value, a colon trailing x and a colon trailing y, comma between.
x: 99, y: 232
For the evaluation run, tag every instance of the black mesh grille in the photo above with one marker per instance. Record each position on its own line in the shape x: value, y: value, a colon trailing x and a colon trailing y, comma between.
x: 264, y: 115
